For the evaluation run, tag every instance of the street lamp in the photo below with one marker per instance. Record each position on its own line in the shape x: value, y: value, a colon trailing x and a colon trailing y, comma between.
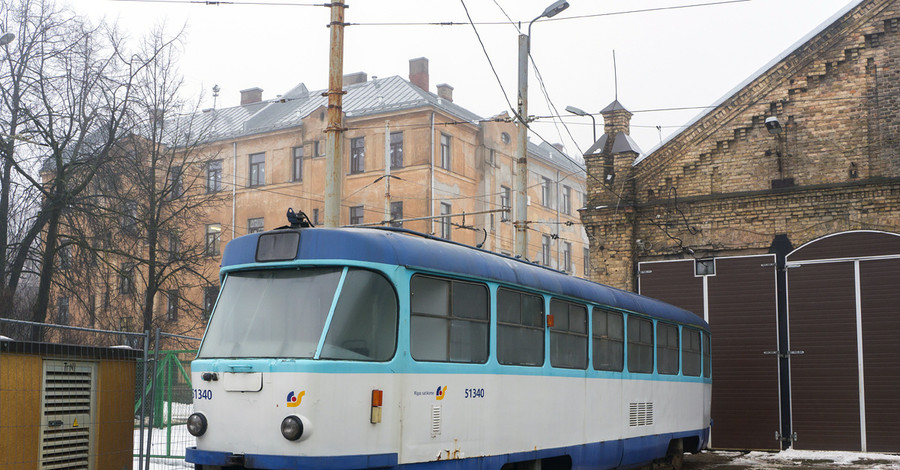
x: 522, y: 114
x: 580, y: 112
x: 7, y: 38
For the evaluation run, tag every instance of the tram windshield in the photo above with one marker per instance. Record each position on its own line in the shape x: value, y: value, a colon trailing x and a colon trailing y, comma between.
x: 315, y: 313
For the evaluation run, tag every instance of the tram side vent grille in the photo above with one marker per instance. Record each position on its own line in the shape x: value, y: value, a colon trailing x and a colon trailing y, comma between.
x: 640, y: 414
x: 435, y: 420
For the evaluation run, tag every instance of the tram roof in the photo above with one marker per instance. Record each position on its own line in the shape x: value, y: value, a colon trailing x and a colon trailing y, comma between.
x: 396, y: 247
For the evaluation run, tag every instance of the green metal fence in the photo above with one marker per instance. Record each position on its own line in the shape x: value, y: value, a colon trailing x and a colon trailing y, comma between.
x: 168, y: 404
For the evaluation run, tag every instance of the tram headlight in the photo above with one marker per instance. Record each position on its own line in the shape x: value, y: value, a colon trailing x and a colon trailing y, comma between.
x: 196, y: 424
x: 292, y: 428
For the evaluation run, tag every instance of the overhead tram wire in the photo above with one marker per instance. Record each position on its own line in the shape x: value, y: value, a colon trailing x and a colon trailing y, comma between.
x: 576, y: 17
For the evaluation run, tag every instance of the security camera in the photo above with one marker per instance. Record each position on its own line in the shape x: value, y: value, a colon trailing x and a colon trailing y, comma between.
x: 773, y: 126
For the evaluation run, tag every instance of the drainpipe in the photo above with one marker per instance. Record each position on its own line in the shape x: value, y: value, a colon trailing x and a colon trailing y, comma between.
x: 387, y: 170
x: 431, y: 170
x: 233, y: 184
x: 558, y: 226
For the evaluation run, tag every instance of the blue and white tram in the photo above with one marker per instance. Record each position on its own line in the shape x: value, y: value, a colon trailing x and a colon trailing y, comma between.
x: 371, y: 348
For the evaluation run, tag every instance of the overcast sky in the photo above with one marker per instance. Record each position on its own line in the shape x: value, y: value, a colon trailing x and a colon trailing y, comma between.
x: 667, y: 58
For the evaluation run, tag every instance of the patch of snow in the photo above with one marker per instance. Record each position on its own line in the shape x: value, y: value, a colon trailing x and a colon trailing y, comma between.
x: 795, y: 457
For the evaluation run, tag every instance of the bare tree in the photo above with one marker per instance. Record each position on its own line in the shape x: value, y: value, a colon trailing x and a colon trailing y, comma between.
x: 65, y: 105
x: 157, y: 191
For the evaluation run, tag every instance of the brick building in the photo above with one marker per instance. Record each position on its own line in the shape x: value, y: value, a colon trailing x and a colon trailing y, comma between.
x: 776, y: 216
x: 267, y: 155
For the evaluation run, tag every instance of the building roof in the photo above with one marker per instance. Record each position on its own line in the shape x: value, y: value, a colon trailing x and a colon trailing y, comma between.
x: 382, y: 95
x: 554, y: 157
x: 812, y: 34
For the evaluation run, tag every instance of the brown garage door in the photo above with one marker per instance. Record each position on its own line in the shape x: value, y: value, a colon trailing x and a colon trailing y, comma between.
x: 825, y: 379
x: 881, y: 352
x: 743, y: 318
x: 843, y: 305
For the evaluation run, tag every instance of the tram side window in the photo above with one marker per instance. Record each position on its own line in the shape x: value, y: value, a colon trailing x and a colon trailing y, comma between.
x: 666, y: 348
x: 568, y: 335
x: 640, y: 345
x: 609, y: 340
x: 520, y: 328
x: 707, y: 365
x: 690, y: 353
x: 364, y: 324
x: 448, y: 320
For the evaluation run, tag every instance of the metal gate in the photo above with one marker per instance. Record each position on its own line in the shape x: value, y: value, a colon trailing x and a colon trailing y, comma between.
x: 843, y: 305
x: 737, y: 296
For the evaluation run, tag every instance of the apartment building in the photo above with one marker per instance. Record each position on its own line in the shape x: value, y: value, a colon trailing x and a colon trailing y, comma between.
x: 412, y: 159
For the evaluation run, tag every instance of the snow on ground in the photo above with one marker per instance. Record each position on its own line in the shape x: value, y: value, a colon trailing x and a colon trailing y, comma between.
x: 815, y: 459
x: 180, y: 439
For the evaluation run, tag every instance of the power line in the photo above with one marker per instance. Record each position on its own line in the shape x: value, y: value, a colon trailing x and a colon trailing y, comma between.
x: 566, y: 18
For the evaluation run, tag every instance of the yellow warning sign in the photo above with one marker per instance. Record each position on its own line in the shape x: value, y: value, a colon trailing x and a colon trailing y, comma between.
x: 75, y: 424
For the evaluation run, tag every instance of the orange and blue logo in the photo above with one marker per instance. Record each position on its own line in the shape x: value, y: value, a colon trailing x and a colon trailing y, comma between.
x: 439, y: 395
x: 294, y: 400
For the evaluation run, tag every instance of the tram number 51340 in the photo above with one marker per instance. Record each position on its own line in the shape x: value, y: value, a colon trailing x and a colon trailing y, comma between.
x: 474, y: 393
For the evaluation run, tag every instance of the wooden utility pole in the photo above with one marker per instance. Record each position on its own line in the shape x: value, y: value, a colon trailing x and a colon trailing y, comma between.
x: 334, y: 144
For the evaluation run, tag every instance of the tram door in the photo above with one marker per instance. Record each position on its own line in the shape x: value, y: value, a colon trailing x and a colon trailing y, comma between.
x: 738, y: 297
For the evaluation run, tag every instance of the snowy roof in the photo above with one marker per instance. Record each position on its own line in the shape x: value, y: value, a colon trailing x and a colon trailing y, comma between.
x: 375, y: 96
x: 815, y: 32
x: 554, y: 157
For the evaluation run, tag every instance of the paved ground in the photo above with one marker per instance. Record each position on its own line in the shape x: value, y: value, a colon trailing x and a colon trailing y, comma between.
x: 790, y: 460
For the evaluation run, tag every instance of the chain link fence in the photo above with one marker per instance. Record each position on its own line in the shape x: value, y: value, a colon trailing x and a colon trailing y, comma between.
x: 83, y: 398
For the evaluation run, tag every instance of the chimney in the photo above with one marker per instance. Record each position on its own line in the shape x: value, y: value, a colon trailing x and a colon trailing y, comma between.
x: 418, y: 72
x: 354, y: 78
x: 445, y: 92
x: 559, y: 146
x: 251, y: 95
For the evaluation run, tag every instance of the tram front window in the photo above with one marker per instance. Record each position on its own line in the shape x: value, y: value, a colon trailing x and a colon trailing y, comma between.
x: 284, y: 313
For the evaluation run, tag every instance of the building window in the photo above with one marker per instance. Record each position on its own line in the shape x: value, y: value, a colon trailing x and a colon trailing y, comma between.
x: 640, y: 345
x: 504, y: 137
x: 567, y: 256
x: 358, y: 155
x: 210, y: 294
x: 568, y: 335
x: 505, y: 195
x: 396, y: 150
x: 172, y: 306
x: 213, y: 239
x: 174, y: 246
x: 214, y: 176
x: 255, y: 225
x: 62, y: 310
x: 609, y: 340
x: 315, y: 216
x: 445, y: 221
x: 257, y: 169
x: 65, y: 256
x: 545, y: 250
x: 667, y: 348
x: 565, y: 205
x: 176, y: 188
x: 587, y: 262
x: 318, y: 149
x: 396, y: 213
x: 130, y: 217
x: 445, y: 151
x: 126, y: 278
x: 546, y: 195
x: 490, y: 157
x: 520, y: 328
x: 449, y: 320
x: 297, y: 164
x: 356, y: 215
